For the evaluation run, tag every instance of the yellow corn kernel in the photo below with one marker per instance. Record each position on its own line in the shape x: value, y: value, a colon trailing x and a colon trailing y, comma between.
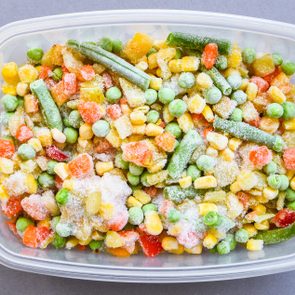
x: 166, y: 53
x: 28, y: 73
x: 185, y: 182
x: 58, y: 136
x: 204, y: 81
x: 30, y: 103
x: 152, y: 61
x: 205, y: 182
x: 254, y: 245
x: 8, y: 89
x: 289, y: 124
x: 190, y: 64
x: 144, y: 109
x: 244, y: 84
x: 215, y: 196
x: 3, y: 194
x: 84, y: 146
x: 247, y: 180
x: 263, y: 225
x: 276, y: 94
x: 157, y: 166
x: 6, y: 166
x: 157, y: 177
x: 71, y: 243
x: 45, y: 222
x: 10, y: 73
x: 137, y: 118
x: 68, y: 184
x: 123, y: 126
x: 208, y: 114
x: 251, y: 91
x: 270, y: 193
x: 234, y: 143
x: 28, y: 166
x: 31, y: 184
x: 97, y: 236
x: 234, y: 59
x: 250, y: 228
x: 212, y: 152
x: 42, y: 162
x: 142, y: 65
x: 290, y: 174
x: 194, y: 250
x: 269, y: 125
x: 171, y: 245
x: 62, y: 170
x: 113, y: 240
x: 106, y: 210
x: 44, y: 135
x: 153, y: 223
x: 141, y: 196
x: 185, y: 122
x: 22, y: 88
x: 132, y: 202
x: 153, y: 130
x: 292, y: 183
x: 260, y: 209
x: 175, y: 65
x: 125, y: 109
x: 102, y: 167
x: 92, y: 203
x: 36, y: 144
x: 227, y: 155
x: 210, y: 241
x: 85, y: 131
x: 204, y: 208
x: 216, y: 140
x: 235, y: 187
x: 138, y: 129
x: 113, y: 138
x: 166, y: 115
x: 156, y: 83
x: 196, y: 104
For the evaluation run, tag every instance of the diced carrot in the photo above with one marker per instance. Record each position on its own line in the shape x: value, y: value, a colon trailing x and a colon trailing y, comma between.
x: 151, y: 245
x: 13, y: 207
x: 43, y: 234
x: 108, y: 82
x: 268, y: 78
x: 23, y: 133
x: 81, y: 166
x: 209, y: 55
x: 166, y: 141
x: 69, y: 83
x: 114, y: 111
x: 7, y: 148
x: 101, y: 145
x: 119, y: 252
x: 30, y: 238
x: 289, y: 158
x: 45, y: 72
x: 200, y: 121
x: 282, y: 81
x: 261, y: 83
x: 90, y: 111
x: 151, y: 190
x: 58, y: 93
x: 58, y: 181
x: 86, y: 73
x: 12, y: 226
x: 206, y: 131
x: 255, y: 122
x: 118, y: 222
x: 260, y: 156
x: 244, y: 199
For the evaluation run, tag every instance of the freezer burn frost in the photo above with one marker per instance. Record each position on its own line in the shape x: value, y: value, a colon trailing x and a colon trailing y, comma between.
x: 180, y: 145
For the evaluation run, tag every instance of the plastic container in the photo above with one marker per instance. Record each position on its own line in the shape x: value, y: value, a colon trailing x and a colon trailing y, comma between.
x: 264, y: 35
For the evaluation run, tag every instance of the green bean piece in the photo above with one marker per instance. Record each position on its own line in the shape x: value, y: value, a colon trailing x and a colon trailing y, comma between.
x: 219, y: 81
x: 190, y: 41
x: 177, y: 194
x: 50, y: 109
x: 183, y: 153
x: 247, y: 132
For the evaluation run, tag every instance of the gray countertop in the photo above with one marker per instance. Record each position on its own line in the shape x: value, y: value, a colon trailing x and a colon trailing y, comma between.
x: 14, y: 282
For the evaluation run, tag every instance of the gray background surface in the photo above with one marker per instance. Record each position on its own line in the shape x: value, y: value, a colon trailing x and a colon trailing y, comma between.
x: 14, y: 282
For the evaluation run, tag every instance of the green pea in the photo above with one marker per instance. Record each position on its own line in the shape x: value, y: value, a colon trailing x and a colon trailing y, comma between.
x: 166, y: 95
x: 174, y: 129
x: 173, y: 215
x: 239, y: 96
x: 74, y: 119
x: 211, y: 219
x: 270, y: 168
x: 63, y: 229
x: 71, y: 135
x: 66, y: 122
x: 135, y: 170
x: 143, y: 179
x: 106, y: 44
x: 133, y: 179
x: 236, y: 115
x: 241, y: 236
x: 117, y: 46
x: 152, y: 116
x: 221, y: 62
x: 95, y: 245
x: 22, y: 223
x: 289, y: 110
x: 274, y: 110
x: 50, y: 167
x: 135, y: 215
x: 288, y: 67
x: 46, y: 180
x: 206, y: 163
x: 101, y: 128
x: 291, y: 206
x: 186, y: 80
x: 10, y: 102
x: 35, y: 54
x: 277, y: 58
x: 193, y: 172
x: 235, y: 81
x: 62, y: 196
x: 151, y: 96
x: 213, y: 95
x: 177, y: 107
x: 149, y: 207
x: 57, y: 74
x: 113, y: 94
x: 290, y: 195
x: 120, y: 163
x: 232, y: 242
x: 54, y: 221
x: 284, y: 182
x: 26, y: 152
x: 223, y: 247
x: 248, y: 55
x: 58, y: 241
x: 274, y: 181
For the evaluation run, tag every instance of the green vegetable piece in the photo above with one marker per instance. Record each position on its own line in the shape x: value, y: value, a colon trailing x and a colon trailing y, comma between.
x: 106, y: 44
x: 113, y: 94
x: 248, y: 55
x: 225, y: 224
x: 117, y: 46
x: 211, y: 219
x: 26, y: 152
x: 63, y: 229
x: 206, y: 163
x: 149, y: 207
x: 195, y: 42
x: 284, y: 182
x: 275, y: 110
x: 54, y: 221
x: 135, y: 215
x: 50, y: 167
x: 152, y: 116
x: 176, y: 194
x: 62, y: 196
x: 57, y: 74
x: 277, y: 58
x: 120, y: 163
x: 270, y: 168
x: 239, y: 96
x: 219, y: 81
x: 166, y: 95
x: 288, y: 67
x: 173, y: 215
x: 274, y: 181
x: 177, y: 107
x: 95, y: 245
x: 143, y: 179
x: 74, y: 119
x: 35, y: 54
x: 46, y: 180
x: 178, y: 54
x: 71, y: 135
x: 186, y: 80
x: 183, y: 153
x: 193, y: 172
x: 221, y: 62
x: 151, y: 51
x: 50, y: 109
x: 241, y: 236
x: 235, y: 81
x: 223, y: 247
x: 174, y: 129
x: 291, y: 206
x: 289, y: 110
x: 135, y: 170
x: 133, y: 179
x: 10, y: 102
x: 151, y: 96
x: 101, y: 128
x: 58, y: 241
x: 247, y: 132
x: 236, y: 115
x: 22, y: 223
x: 213, y: 95
x: 290, y: 195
